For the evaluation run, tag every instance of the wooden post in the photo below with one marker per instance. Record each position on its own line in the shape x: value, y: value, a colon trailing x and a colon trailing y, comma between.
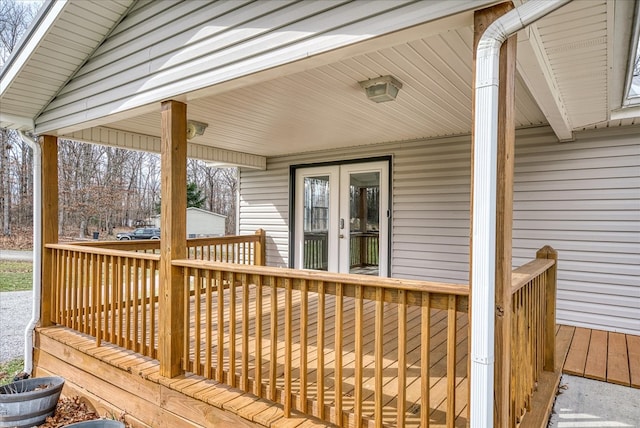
x: 260, y: 249
x: 173, y: 236
x: 548, y: 252
x: 504, y: 207
x: 49, y: 224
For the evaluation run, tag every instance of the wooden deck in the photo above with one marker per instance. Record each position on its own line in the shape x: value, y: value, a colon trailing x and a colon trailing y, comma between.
x: 263, y: 412
x: 605, y: 356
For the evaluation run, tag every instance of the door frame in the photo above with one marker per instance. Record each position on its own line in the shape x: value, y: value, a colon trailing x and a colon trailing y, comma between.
x: 292, y: 201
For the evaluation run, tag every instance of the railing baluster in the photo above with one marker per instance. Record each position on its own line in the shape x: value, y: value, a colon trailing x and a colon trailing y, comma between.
x: 304, y: 320
x: 337, y: 375
x: 287, y: 347
x: 379, y: 355
x: 100, y: 309
x: 86, y: 289
x: 425, y: 352
x: 258, y: 339
x: 402, y: 357
x: 186, y: 297
x: 153, y: 296
x: 273, y: 363
x: 71, y: 293
x: 220, y: 309
x: 320, y: 349
x: 136, y: 303
x: 232, y: 329
x: 208, y: 330
x: 451, y: 361
x: 359, y: 309
x: 245, y: 333
x: 197, y: 287
x: 127, y: 287
x: 143, y: 298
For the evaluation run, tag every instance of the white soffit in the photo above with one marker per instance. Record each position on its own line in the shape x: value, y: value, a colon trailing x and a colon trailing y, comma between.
x: 57, y: 45
x: 148, y: 143
x: 576, y: 42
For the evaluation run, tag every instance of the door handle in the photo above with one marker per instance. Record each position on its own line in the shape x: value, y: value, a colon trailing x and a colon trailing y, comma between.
x: 341, y: 236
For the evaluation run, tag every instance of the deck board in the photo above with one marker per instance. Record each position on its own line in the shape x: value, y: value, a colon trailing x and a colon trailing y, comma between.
x: 617, y: 360
x: 577, y: 357
x: 596, y: 365
x: 602, y: 355
x: 633, y: 347
x: 438, y: 359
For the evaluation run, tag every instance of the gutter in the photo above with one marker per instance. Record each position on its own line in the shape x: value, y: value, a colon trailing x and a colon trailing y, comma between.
x: 37, y: 250
x: 483, y: 248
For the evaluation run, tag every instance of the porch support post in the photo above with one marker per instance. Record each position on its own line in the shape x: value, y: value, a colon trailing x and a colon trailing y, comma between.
x: 49, y: 223
x: 504, y: 208
x: 173, y: 236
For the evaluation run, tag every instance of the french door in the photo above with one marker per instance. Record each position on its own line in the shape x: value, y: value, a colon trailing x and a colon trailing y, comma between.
x: 341, y: 218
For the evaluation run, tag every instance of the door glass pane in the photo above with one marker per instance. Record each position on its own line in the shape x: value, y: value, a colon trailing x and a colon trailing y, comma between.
x: 316, y: 223
x: 364, y: 222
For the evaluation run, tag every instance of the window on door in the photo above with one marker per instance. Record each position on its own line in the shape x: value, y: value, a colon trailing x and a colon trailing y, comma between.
x: 341, y: 218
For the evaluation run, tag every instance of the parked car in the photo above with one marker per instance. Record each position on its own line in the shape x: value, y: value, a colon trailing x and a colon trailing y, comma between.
x: 140, y: 233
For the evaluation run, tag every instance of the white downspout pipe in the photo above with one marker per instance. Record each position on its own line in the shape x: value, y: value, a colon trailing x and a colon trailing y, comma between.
x: 37, y: 250
x: 483, y: 248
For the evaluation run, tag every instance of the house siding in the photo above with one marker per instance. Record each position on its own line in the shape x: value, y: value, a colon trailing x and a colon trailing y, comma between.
x: 582, y: 198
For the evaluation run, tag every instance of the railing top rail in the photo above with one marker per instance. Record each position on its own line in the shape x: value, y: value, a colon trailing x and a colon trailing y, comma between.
x: 353, y: 279
x: 525, y: 273
x: 103, y: 251
x: 139, y: 244
x: 222, y: 239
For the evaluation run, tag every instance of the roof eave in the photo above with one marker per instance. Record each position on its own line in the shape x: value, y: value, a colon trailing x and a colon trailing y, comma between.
x: 39, y: 28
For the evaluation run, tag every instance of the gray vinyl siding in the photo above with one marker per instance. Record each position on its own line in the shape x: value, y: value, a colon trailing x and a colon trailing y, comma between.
x: 582, y: 198
x: 167, y: 48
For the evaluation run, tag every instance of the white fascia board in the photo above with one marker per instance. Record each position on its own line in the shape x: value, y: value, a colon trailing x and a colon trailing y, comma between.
x: 626, y: 26
x: 535, y: 69
x: 25, y: 50
x: 148, y: 143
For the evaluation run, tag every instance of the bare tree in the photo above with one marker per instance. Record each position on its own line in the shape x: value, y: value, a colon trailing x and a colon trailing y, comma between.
x: 14, y: 21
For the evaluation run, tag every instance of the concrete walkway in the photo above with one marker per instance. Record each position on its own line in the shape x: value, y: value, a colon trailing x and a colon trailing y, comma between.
x: 16, y: 255
x: 15, y: 313
x: 587, y: 403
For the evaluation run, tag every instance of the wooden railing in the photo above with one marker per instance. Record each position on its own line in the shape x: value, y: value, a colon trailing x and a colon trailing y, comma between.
x: 240, y: 249
x: 345, y: 348
x: 316, y: 251
x: 532, y: 329
x: 349, y: 349
x: 109, y: 294
x: 364, y: 249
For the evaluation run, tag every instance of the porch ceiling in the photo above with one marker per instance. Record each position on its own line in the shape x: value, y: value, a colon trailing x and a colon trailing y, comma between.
x: 324, y: 107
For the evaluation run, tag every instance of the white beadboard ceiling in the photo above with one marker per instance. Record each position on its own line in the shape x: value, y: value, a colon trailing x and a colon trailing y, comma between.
x: 324, y: 107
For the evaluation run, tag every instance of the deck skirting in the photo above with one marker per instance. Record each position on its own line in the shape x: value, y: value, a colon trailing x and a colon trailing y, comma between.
x: 117, y: 381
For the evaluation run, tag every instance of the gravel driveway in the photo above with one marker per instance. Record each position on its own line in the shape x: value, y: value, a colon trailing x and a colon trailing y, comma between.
x: 15, y: 313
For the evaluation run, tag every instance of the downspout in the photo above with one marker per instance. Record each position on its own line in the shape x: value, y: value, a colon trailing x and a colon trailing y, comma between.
x: 37, y: 250
x: 483, y: 248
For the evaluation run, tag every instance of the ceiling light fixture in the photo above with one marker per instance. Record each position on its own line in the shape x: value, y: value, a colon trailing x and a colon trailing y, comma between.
x: 381, y: 89
x: 195, y: 128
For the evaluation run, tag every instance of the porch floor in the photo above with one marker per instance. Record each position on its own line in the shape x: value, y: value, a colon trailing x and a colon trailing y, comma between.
x: 606, y: 356
x: 267, y: 413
